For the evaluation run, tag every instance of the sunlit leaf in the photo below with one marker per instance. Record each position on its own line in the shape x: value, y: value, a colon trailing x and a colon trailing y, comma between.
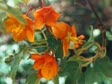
x: 15, y: 63
x: 2, y: 28
x: 16, y: 12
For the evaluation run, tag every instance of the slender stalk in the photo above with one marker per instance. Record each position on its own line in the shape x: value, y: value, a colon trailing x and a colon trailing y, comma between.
x: 29, y: 9
x: 100, y: 25
x: 41, y: 3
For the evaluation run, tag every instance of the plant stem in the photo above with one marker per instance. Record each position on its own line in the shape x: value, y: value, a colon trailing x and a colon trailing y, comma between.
x: 40, y: 3
x: 100, y: 25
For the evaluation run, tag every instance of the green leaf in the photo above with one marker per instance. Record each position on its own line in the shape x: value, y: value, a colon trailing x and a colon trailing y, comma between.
x: 71, y: 70
x: 2, y: 28
x: 100, y: 70
x: 14, y: 11
x: 32, y: 79
x: 81, y: 79
x: 17, y: 13
x: 59, y: 51
x: 92, y: 76
x: 56, y: 80
x: 3, y: 5
x: 104, y: 66
x: 55, y: 44
x: 15, y: 63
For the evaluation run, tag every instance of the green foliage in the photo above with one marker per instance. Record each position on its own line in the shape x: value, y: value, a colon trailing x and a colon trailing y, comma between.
x: 104, y: 66
x: 32, y: 79
x: 70, y: 70
x: 98, y: 71
x: 55, y: 44
x: 15, y: 64
x: 97, y: 66
x: 92, y: 76
x: 14, y: 11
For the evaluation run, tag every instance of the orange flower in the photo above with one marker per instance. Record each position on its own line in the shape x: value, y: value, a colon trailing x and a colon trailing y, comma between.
x: 66, y: 33
x: 46, y: 65
x: 19, y: 30
x: 45, y: 16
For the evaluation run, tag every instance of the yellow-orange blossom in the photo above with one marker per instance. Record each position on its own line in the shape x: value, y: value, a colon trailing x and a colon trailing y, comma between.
x: 45, y: 16
x: 19, y: 30
x: 46, y: 65
x: 67, y: 33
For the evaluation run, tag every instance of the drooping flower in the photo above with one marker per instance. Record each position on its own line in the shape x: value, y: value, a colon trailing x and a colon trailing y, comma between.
x: 45, y: 16
x: 46, y: 65
x: 19, y: 30
x: 67, y: 34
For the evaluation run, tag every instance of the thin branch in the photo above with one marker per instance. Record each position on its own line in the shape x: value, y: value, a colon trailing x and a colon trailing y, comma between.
x: 29, y: 9
x: 41, y: 3
x: 100, y: 25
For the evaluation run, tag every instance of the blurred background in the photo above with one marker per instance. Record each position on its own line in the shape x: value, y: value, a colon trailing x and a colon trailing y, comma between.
x: 77, y: 12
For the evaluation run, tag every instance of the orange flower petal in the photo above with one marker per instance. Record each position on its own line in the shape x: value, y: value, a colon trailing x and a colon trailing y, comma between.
x: 45, y: 15
x: 60, y: 30
x: 39, y: 61
x: 52, y: 16
x: 29, y: 29
x: 66, y: 46
x: 49, y: 70
x: 30, y: 35
x: 73, y: 29
x: 35, y: 56
x: 19, y: 36
x: 19, y: 30
x: 38, y: 23
x: 46, y: 65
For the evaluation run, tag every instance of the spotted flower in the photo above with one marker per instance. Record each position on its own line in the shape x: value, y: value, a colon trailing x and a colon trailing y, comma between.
x: 45, y: 16
x: 19, y: 30
x: 67, y: 34
x: 46, y: 65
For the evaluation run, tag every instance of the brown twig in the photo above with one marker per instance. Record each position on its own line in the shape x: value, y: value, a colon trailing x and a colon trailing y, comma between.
x: 41, y: 3
x: 29, y: 9
x: 100, y: 25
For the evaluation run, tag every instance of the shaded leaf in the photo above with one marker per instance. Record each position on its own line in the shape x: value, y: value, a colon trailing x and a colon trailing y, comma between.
x: 104, y: 66
x: 102, y: 69
x: 92, y: 76
x: 71, y: 70
x: 55, y: 44
x: 32, y: 79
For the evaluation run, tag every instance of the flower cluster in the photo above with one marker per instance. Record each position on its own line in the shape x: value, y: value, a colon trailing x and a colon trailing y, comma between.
x: 46, y: 16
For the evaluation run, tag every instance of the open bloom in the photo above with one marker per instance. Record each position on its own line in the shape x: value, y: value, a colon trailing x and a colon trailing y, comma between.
x: 46, y: 65
x: 67, y: 34
x: 19, y: 30
x: 45, y: 16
